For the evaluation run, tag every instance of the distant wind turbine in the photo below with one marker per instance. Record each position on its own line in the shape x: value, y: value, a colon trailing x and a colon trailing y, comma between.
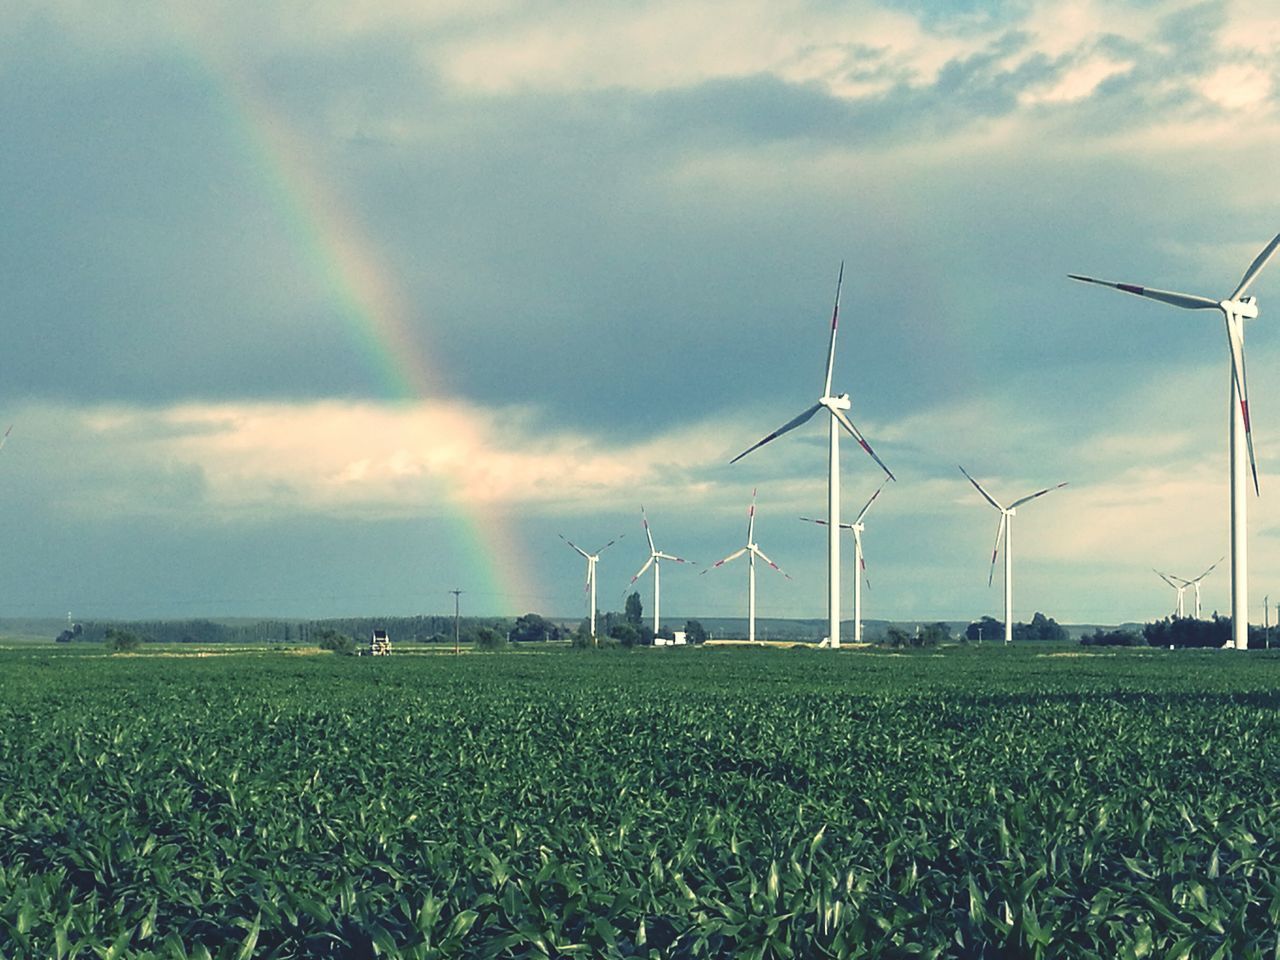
x: 752, y: 550
x: 1196, y: 583
x: 656, y: 557
x: 1235, y: 310
x: 836, y: 406
x: 860, y: 563
x: 1005, y: 530
x: 1181, y: 586
x: 592, y: 559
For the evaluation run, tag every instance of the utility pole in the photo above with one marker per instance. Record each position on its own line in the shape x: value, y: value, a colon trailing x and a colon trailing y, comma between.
x: 456, y: 595
x: 1266, y: 620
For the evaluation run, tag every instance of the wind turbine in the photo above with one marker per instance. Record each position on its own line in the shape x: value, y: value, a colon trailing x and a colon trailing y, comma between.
x: 1005, y: 528
x: 1196, y: 583
x: 655, y: 558
x: 1235, y: 310
x: 592, y: 559
x: 5, y: 438
x: 1181, y: 588
x: 836, y: 406
x: 860, y: 564
x: 752, y: 550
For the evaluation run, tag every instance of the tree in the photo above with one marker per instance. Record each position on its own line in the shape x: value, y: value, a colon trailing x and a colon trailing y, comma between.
x: 933, y: 634
x: 634, y: 610
x: 339, y: 643
x: 625, y: 634
x: 533, y: 628
x: 486, y: 638
x: 120, y: 641
x: 988, y: 628
x: 694, y: 632
x: 1111, y: 638
x: 897, y: 637
x: 1040, y: 628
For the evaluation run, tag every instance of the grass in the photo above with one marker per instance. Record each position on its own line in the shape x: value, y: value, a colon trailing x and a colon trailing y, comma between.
x: 977, y: 802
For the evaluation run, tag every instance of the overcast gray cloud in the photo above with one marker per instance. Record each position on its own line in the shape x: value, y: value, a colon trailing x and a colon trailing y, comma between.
x: 608, y: 246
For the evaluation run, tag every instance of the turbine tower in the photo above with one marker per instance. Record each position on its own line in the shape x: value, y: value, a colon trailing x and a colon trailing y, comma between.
x: 656, y: 556
x: 1235, y: 310
x: 860, y: 563
x: 1005, y: 528
x: 752, y: 550
x: 1181, y: 586
x: 836, y: 406
x: 592, y: 559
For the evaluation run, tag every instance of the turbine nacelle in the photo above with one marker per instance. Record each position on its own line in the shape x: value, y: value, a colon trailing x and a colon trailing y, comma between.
x: 841, y: 402
x: 1246, y: 307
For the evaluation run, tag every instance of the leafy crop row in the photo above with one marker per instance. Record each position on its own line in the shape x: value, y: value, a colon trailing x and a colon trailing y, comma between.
x: 680, y: 803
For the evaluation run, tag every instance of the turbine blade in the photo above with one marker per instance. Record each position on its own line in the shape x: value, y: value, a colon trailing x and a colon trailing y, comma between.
x: 1004, y: 518
x: 986, y: 496
x: 811, y: 520
x: 574, y: 545
x: 666, y: 556
x: 610, y: 544
x: 751, y: 517
x: 863, y: 512
x: 647, y: 564
x: 760, y: 553
x: 1187, y: 301
x: 5, y: 438
x: 1209, y: 571
x: 835, y: 319
x: 731, y: 557
x: 1164, y: 578
x: 1038, y: 493
x: 1235, y: 338
x: 862, y: 558
x: 786, y: 427
x: 645, y: 519
x: 853, y: 431
x: 1255, y: 268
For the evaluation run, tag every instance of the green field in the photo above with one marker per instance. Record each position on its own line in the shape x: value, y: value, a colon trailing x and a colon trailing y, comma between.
x: 977, y: 802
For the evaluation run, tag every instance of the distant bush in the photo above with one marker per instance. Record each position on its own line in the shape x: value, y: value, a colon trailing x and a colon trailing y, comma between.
x: 122, y: 641
x: 625, y: 634
x: 339, y: 643
x: 486, y: 638
x: 1112, y: 638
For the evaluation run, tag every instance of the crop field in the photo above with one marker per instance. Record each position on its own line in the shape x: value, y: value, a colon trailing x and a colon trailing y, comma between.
x: 977, y: 802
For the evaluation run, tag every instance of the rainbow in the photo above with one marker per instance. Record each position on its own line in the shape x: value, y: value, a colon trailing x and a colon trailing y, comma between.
x: 484, y: 555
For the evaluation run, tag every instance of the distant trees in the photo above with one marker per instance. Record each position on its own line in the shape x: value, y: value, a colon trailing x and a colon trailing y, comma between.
x: 988, y: 628
x: 929, y: 635
x: 634, y: 611
x: 332, y: 640
x: 532, y: 628
x: 122, y: 641
x: 694, y: 632
x: 1112, y: 638
x: 1040, y: 628
x: 73, y: 633
x: 1188, y: 632
x: 625, y: 634
x: 486, y: 638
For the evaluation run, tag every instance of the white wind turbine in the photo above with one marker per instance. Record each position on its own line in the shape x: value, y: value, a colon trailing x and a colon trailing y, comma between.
x: 836, y: 406
x: 752, y: 550
x: 1181, y: 587
x: 1005, y: 530
x: 1235, y: 310
x: 860, y: 563
x: 592, y: 559
x: 656, y: 557
x: 1196, y: 583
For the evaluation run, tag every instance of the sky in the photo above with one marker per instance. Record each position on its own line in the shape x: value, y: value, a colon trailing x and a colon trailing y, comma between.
x: 327, y: 308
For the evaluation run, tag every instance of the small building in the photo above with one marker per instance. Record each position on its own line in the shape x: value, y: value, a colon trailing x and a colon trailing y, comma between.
x: 379, y: 643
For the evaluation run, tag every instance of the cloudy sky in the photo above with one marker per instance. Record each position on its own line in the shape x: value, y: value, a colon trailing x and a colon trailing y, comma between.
x: 326, y: 308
